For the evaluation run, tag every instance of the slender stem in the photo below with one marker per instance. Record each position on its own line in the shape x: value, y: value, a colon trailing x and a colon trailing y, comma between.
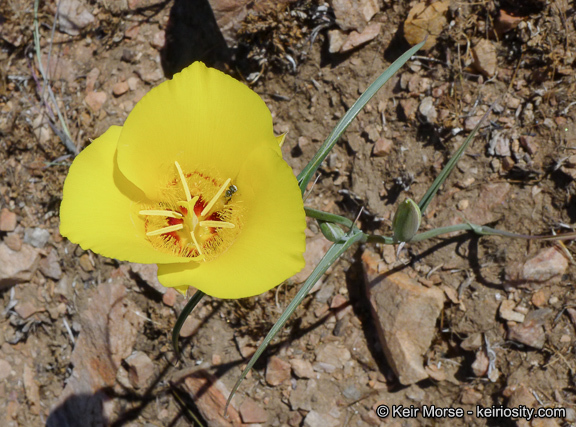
x: 190, y: 305
x: 329, y: 217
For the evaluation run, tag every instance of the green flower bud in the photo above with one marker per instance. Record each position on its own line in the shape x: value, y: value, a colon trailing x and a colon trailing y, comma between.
x: 406, y: 221
x: 332, y: 231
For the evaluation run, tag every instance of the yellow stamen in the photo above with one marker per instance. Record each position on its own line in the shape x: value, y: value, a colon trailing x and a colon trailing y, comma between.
x: 215, y: 198
x: 164, y: 230
x: 184, y: 183
x: 196, y: 243
x: 169, y: 214
x: 216, y: 224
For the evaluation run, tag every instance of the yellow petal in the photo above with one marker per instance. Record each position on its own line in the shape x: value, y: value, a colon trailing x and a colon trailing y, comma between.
x: 271, y: 244
x: 98, y: 208
x: 202, y: 118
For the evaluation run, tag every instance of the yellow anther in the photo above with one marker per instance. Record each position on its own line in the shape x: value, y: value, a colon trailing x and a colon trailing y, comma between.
x: 165, y: 230
x: 169, y: 214
x: 216, y: 224
x: 184, y: 183
x: 215, y: 198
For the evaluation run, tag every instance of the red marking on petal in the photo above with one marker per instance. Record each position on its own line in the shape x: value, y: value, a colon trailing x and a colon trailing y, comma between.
x: 174, y: 221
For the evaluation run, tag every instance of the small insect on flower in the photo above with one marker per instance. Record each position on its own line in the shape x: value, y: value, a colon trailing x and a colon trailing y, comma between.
x: 231, y: 190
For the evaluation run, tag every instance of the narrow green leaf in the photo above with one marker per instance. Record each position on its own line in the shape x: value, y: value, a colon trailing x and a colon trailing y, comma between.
x: 312, y: 166
x: 190, y: 305
x: 329, y: 258
x: 427, y: 198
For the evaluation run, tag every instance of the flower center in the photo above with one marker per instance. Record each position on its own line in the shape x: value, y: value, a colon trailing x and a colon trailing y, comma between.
x: 198, y: 219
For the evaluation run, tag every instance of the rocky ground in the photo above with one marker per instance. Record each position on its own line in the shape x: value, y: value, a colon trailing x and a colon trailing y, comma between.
x: 455, y: 322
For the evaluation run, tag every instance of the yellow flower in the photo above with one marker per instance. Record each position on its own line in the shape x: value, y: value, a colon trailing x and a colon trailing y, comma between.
x: 194, y: 182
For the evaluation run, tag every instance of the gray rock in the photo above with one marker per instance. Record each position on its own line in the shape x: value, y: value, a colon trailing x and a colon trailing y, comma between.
x: 73, y: 16
x: 37, y: 237
x: 17, y: 267
x: 50, y: 266
x: 316, y: 419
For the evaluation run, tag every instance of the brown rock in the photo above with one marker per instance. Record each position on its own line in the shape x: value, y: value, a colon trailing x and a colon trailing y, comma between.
x: 277, y: 371
x: 423, y: 20
x: 95, y: 100
x: 472, y: 342
x: 140, y: 369
x: 418, y: 84
x: 252, y: 413
x: 302, y: 368
x: 382, y: 147
x: 31, y: 389
x: 506, y: 22
x: 158, y: 39
x: 120, y: 88
x: 336, y: 39
x: 86, y: 263
x: 316, y: 419
x: 109, y: 329
x: 506, y: 311
x: 485, y: 61
x: 149, y: 274
x: 539, y: 299
x: 13, y: 241
x: 354, y: 14
x: 169, y: 298
x: 480, y: 364
x: 546, y: 265
x: 405, y: 315
x: 17, y: 267
x: 50, y: 266
x: 408, y: 108
x: 470, y: 396
x: 209, y: 395
x: 471, y: 122
x: 332, y: 354
x: 531, y: 332
x: 339, y: 301
x: 5, y: 369
x: 435, y: 372
x: 356, y: 39
x: 520, y: 395
x: 26, y: 309
x: 529, y: 144
x: 7, y: 220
